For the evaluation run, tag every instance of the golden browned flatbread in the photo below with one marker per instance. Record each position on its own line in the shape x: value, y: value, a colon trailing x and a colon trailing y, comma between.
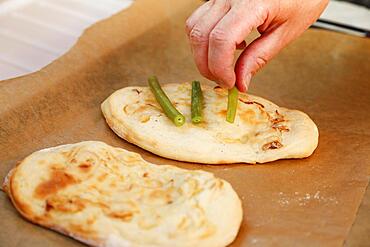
x: 262, y: 131
x: 106, y: 196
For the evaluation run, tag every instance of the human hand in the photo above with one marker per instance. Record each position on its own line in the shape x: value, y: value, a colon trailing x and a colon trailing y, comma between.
x: 217, y: 28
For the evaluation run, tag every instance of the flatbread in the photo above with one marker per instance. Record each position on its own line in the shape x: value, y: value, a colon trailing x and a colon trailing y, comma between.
x: 106, y: 196
x: 262, y: 131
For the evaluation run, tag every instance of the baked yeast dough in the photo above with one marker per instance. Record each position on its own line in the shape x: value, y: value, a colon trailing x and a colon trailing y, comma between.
x: 107, y: 196
x: 262, y: 131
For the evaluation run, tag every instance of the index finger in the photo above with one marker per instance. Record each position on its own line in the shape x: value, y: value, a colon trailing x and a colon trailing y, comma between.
x: 196, y: 16
x: 224, y: 38
x: 199, y: 35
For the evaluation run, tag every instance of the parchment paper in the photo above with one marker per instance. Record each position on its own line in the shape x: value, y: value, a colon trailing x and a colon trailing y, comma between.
x: 308, y: 202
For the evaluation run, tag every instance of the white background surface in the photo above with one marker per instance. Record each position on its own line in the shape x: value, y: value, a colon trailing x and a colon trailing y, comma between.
x: 35, y: 32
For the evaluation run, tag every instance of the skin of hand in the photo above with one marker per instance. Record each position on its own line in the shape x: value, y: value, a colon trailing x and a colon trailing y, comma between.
x: 218, y: 27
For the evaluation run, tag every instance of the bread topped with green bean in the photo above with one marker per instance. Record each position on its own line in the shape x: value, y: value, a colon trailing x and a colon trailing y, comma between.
x: 191, y: 122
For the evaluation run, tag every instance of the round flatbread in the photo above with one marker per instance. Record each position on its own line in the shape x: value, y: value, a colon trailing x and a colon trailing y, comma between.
x: 106, y: 196
x: 262, y: 131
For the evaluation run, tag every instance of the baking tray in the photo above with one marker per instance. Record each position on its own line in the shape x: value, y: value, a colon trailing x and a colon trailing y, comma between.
x: 306, y: 202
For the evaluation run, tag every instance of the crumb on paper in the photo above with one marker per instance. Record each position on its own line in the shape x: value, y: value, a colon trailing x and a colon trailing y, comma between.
x: 254, y: 241
x: 304, y: 199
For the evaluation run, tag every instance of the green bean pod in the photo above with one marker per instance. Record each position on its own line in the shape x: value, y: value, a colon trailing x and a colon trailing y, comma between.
x: 196, y: 102
x: 171, y: 112
x: 232, y: 104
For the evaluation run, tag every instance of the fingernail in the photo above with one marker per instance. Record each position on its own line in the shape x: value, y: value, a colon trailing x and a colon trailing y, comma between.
x: 247, y: 81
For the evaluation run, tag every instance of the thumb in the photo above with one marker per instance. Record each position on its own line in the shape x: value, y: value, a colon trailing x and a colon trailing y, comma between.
x: 257, y: 54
